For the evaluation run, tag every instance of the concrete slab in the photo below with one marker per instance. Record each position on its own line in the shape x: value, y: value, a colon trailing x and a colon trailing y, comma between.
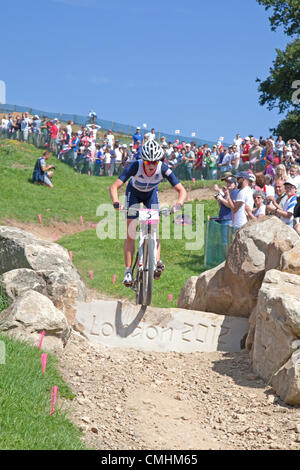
x: 122, y: 325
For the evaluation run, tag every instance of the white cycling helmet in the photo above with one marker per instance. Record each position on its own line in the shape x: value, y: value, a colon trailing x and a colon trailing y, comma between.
x: 151, y: 151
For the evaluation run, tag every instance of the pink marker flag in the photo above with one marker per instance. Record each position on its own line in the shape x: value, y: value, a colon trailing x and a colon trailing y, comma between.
x: 114, y: 278
x: 91, y: 274
x: 71, y: 255
x: 81, y: 220
x: 54, y: 237
x: 194, y: 181
x: 54, y: 391
x: 41, y: 339
x: 40, y: 218
x: 170, y: 297
x: 44, y: 362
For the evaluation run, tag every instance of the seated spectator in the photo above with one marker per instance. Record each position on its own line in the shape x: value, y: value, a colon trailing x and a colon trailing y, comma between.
x: 41, y: 175
x: 259, y: 210
x: 286, y: 214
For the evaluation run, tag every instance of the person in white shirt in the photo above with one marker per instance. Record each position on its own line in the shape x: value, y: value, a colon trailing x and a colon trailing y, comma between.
x: 238, y: 142
x: 4, y: 125
x: 259, y: 210
x: 118, y: 156
x: 244, y: 202
x: 93, y: 129
x: 110, y: 138
x: 152, y: 134
x: 295, y: 177
x: 25, y: 124
x: 69, y: 132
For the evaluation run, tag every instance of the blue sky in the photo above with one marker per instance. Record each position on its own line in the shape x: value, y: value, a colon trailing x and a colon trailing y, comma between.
x: 188, y: 65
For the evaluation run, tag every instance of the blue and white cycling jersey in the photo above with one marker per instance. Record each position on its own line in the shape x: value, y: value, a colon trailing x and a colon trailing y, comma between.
x: 143, y: 183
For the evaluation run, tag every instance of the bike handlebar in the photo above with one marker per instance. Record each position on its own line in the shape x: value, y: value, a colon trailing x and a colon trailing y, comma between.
x: 166, y: 211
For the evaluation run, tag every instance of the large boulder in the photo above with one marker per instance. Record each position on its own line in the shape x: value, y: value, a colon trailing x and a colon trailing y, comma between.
x: 29, y: 315
x: 50, y: 262
x: 275, y: 331
x: 286, y: 380
x: 290, y: 260
x: 232, y: 288
x: 188, y: 293
x: 17, y: 281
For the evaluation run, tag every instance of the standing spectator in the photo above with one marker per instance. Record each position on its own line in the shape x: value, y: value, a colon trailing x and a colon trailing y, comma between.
x: 118, y: 156
x: 244, y: 202
x: 190, y: 160
x: 245, y: 151
x: 4, y: 124
x: 226, y: 200
x: 25, y: 124
x: 211, y: 164
x: 238, y: 142
x: 235, y: 158
x: 137, y: 137
x: 254, y: 153
x: 92, y: 117
x: 152, y: 134
x: 93, y: 129
x: 106, y: 160
x: 279, y: 146
x: 110, y: 138
x: 36, y: 129
x: 280, y: 172
x: 270, y: 167
x: 69, y: 132
x: 295, y: 177
x: 54, y: 135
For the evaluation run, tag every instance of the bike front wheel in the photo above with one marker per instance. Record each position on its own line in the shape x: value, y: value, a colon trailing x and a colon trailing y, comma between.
x: 148, y: 271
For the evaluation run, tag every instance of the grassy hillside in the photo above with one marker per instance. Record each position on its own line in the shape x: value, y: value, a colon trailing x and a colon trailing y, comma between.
x: 80, y: 195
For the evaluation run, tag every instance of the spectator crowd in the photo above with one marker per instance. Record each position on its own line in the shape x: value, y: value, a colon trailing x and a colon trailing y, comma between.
x: 261, y: 176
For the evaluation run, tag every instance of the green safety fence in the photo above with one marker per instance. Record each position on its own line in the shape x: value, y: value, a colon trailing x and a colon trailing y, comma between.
x: 218, y: 238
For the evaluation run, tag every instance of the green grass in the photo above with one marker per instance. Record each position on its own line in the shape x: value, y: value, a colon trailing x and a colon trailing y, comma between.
x: 73, y: 195
x: 76, y: 195
x: 25, y: 400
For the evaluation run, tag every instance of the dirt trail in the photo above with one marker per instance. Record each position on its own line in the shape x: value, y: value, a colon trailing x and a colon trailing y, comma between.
x: 126, y: 399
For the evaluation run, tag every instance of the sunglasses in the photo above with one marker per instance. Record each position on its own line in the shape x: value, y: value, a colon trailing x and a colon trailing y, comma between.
x: 150, y: 163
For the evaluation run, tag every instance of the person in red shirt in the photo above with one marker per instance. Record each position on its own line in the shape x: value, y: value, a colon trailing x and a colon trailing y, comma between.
x: 245, y: 154
x: 54, y: 134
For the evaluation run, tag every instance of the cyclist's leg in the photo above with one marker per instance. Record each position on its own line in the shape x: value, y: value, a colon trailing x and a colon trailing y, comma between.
x: 153, y: 203
x: 129, y: 244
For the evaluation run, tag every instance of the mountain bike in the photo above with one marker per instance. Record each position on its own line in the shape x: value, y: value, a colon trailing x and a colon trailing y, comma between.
x: 146, y: 256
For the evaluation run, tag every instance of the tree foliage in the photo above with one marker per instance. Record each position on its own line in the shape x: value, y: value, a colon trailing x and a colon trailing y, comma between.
x: 281, y: 89
x: 286, y: 13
